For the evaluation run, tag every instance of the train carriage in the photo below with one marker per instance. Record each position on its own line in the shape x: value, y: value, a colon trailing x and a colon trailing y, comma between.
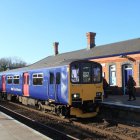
x: 70, y: 87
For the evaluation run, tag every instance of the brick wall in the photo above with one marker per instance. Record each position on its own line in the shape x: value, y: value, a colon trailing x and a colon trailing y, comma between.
x: 134, y: 60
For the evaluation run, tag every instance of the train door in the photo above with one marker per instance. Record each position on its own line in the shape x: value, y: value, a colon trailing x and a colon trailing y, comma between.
x: 3, y: 83
x: 51, y: 93
x: 58, y: 85
x: 26, y: 84
x: 127, y: 70
x: 54, y: 85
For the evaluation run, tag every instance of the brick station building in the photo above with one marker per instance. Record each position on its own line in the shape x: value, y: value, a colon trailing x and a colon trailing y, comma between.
x: 119, y: 60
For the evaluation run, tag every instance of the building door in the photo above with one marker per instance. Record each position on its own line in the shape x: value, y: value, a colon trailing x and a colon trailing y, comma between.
x: 26, y: 84
x: 3, y: 83
x: 127, y: 73
x: 127, y: 70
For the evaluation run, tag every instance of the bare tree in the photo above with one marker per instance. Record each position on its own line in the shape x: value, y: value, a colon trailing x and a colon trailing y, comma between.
x: 11, y: 63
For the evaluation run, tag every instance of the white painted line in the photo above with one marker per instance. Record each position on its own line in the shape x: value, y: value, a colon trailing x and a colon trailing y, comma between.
x: 132, y: 106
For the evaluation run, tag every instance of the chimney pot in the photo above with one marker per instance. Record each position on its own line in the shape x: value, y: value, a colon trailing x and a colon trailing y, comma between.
x: 55, y: 44
x: 90, y: 40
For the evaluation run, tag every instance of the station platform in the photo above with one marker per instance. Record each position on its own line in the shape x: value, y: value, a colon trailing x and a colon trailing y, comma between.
x: 122, y: 100
x: 10, y: 129
x: 117, y: 107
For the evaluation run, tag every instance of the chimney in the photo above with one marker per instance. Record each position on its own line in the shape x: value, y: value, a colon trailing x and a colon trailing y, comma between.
x: 55, y: 44
x: 90, y: 40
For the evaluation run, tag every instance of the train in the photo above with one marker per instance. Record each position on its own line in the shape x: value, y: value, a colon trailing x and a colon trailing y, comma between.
x: 66, y: 88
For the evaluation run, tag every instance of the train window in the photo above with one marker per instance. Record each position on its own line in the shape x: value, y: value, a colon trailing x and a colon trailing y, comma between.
x: 75, y: 70
x: 27, y: 79
x: 9, y: 79
x: 37, y: 79
x: 58, y: 78
x: 16, y: 79
x: 24, y: 80
x: 51, y: 78
x: 86, y: 73
x: 97, y: 75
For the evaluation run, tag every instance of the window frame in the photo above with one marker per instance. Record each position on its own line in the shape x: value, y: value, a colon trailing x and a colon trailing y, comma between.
x: 90, y: 82
x: 93, y: 66
x: 10, y: 78
x: 16, y: 77
x: 80, y: 63
x: 37, y: 77
x: 58, y: 75
x: 51, y: 81
x: 79, y: 73
x: 110, y: 75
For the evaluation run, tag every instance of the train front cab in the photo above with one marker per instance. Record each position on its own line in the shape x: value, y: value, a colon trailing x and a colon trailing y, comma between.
x: 85, y: 88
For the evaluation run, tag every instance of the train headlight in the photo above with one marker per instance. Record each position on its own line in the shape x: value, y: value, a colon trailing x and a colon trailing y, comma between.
x: 98, y: 94
x: 75, y: 96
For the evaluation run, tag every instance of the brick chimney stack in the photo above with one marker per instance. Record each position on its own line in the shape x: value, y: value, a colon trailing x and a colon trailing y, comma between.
x: 90, y: 40
x: 55, y: 44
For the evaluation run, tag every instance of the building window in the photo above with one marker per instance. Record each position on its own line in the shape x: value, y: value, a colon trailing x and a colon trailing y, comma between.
x: 16, y: 79
x: 112, y: 75
x: 9, y: 79
x: 37, y: 79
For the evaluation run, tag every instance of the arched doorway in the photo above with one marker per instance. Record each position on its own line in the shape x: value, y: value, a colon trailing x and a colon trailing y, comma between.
x: 126, y: 71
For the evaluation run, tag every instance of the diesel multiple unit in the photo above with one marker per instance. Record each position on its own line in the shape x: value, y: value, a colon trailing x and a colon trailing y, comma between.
x: 67, y: 88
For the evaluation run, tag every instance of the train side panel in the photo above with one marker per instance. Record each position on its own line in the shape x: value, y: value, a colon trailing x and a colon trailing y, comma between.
x: 54, y: 86
x: 9, y: 86
x: 63, y: 94
x: 16, y: 86
x: 38, y: 89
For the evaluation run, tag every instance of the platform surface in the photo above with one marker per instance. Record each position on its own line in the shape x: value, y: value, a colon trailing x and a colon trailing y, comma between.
x: 122, y: 100
x: 10, y: 129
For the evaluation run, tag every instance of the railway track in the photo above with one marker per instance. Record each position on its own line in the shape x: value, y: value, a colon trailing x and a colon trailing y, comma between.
x: 49, y: 125
x: 46, y: 130
x: 72, y: 128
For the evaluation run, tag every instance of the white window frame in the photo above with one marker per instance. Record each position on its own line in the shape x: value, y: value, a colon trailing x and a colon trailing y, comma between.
x: 16, y: 77
x: 37, y: 75
x: 112, y: 70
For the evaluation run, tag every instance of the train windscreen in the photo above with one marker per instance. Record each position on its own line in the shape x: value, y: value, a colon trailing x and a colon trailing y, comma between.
x: 86, y: 73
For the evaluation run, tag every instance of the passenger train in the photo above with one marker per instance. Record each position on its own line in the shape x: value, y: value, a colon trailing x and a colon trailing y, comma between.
x: 67, y: 88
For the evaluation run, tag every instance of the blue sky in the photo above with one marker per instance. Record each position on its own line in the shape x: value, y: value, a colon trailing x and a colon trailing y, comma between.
x: 28, y: 28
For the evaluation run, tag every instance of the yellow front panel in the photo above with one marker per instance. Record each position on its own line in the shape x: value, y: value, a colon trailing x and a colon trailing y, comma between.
x: 86, y: 91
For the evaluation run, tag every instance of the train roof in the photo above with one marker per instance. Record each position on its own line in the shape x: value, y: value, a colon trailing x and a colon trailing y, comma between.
x: 63, y: 62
